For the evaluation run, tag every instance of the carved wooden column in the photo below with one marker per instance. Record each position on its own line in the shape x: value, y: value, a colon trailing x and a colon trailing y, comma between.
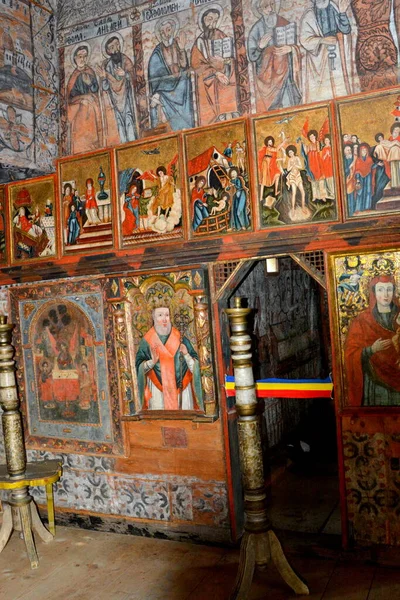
x: 122, y: 350
x: 259, y: 542
x: 202, y: 325
x: 20, y: 512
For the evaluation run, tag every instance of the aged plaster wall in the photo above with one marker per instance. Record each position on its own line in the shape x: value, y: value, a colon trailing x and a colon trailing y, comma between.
x: 28, y: 89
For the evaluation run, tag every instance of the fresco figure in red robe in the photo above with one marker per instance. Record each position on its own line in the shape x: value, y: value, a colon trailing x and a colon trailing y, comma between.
x: 84, y: 114
x: 277, y: 67
x: 213, y: 60
x: 370, y: 357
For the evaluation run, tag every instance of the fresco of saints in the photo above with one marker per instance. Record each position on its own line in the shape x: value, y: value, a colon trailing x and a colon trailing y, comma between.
x: 171, y: 95
x: 277, y: 67
x: 84, y: 113
x: 215, y: 70
x: 167, y: 367
x: 325, y: 35
x: 117, y: 75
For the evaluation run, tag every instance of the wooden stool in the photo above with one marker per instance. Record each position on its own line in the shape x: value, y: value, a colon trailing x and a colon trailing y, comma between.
x: 20, y: 512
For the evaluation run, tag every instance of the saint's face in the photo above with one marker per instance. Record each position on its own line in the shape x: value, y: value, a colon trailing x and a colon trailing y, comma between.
x: 167, y: 33
x: 211, y: 20
x: 384, y: 294
x: 312, y: 138
x: 162, y: 320
x: 267, y: 7
x: 396, y: 132
x: 364, y: 152
x: 81, y: 58
x: 114, y: 47
x: 347, y: 152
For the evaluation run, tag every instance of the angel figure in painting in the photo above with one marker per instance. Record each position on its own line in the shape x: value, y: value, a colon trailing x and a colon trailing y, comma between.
x: 164, y: 208
x: 371, y: 359
x: 165, y: 196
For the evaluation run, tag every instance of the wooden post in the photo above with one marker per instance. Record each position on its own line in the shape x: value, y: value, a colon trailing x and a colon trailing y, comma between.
x: 259, y: 542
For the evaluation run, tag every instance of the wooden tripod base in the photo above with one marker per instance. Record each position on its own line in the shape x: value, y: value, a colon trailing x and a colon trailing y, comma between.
x: 25, y: 519
x: 20, y: 513
x: 258, y: 549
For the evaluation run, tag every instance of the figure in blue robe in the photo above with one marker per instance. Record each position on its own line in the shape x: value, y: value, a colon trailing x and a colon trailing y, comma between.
x: 363, y: 177
x: 351, y: 202
x: 239, y: 216
x: 73, y: 227
x: 170, y: 85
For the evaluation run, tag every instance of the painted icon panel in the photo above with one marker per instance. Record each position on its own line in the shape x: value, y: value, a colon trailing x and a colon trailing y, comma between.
x: 149, y: 192
x: 66, y: 371
x: 168, y: 369
x: 32, y: 217
x: 370, y: 154
x: 366, y: 287
x: 295, y: 167
x: 217, y: 180
x: 86, y: 195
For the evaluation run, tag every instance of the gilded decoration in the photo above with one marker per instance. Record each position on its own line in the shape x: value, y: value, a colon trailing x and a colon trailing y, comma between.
x: 367, y: 309
x: 166, y: 361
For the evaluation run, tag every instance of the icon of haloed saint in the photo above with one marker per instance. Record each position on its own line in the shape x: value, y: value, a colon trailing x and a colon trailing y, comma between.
x: 372, y: 348
x: 167, y: 367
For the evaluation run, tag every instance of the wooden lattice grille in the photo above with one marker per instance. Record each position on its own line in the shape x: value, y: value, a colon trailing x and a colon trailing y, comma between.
x: 222, y: 272
x: 313, y: 263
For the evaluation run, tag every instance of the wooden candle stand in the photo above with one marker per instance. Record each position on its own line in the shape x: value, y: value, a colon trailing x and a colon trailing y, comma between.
x: 20, y: 512
x: 259, y: 543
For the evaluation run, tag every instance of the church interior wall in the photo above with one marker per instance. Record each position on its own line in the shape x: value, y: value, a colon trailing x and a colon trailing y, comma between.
x: 155, y: 72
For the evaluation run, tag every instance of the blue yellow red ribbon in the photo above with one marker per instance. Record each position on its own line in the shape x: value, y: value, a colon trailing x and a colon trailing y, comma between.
x: 286, y: 388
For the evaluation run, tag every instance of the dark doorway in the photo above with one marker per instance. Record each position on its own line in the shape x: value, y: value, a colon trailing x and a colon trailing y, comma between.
x: 290, y: 329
